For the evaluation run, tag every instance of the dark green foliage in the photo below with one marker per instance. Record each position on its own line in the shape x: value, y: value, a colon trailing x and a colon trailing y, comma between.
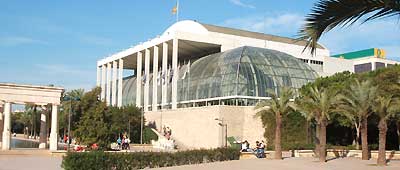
x: 102, y: 125
x: 148, y: 135
x: 139, y: 160
x: 294, y: 131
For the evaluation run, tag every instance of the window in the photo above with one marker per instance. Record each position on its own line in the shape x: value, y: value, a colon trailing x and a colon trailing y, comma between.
x: 359, y: 68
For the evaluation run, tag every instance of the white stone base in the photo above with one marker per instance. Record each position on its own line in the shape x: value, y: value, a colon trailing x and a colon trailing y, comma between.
x: 42, y: 146
x: 53, y: 141
x: 6, y: 141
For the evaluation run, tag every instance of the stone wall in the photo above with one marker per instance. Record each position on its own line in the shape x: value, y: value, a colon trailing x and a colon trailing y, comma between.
x: 197, y: 128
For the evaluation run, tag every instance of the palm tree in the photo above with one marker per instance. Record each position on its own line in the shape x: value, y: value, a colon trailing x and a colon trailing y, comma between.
x: 32, y: 109
x: 385, y: 107
x: 328, y: 14
x: 66, y: 107
x: 277, y: 106
x: 357, y: 104
x: 318, y: 104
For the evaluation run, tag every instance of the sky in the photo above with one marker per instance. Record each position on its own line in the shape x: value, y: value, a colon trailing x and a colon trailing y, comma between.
x: 47, y: 42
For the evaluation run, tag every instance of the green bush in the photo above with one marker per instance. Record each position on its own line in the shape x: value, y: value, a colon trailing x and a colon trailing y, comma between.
x: 149, y: 135
x: 138, y: 160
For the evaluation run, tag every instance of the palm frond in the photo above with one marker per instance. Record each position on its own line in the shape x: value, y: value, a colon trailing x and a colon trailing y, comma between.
x: 328, y: 14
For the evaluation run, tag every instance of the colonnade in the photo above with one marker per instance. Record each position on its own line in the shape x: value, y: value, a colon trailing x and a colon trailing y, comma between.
x: 109, y: 78
x: 6, y: 134
x: 109, y: 72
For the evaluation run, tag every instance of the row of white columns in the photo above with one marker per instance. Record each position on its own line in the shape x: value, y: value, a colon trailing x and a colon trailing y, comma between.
x: 6, y: 142
x: 154, y: 70
x: 109, y: 78
x: 108, y: 74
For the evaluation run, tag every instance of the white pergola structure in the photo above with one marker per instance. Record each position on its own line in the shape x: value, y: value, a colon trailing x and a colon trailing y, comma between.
x: 23, y: 94
x: 183, y: 41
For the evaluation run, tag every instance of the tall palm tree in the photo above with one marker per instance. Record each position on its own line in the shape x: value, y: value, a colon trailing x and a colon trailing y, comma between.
x: 385, y: 107
x: 277, y: 106
x: 32, y: 109
x: 357, y: 103
x: 318, y: 104
x: 328, y: 14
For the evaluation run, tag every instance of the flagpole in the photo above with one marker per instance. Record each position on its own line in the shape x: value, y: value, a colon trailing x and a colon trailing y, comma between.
x: 177, y: 10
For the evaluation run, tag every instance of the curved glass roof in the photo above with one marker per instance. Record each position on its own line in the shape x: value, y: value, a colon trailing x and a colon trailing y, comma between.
x: 241, y: 72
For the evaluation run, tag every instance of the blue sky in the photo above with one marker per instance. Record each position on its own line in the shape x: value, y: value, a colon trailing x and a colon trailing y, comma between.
x: 58, y: 42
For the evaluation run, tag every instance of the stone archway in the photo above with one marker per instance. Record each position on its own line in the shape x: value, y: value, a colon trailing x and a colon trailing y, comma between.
x: 22, y: 94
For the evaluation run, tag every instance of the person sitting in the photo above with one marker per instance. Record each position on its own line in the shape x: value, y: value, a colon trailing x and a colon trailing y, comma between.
x: 119, y: 141
x: 259, y: 150
x: 244, y: 147
x: 127, y: 141
x: 262, y: 149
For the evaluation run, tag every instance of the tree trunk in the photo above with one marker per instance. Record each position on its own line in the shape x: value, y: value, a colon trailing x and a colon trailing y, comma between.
x: 308, y: 131
x: 322, y: 139
x: 278, y: 147
x: 317, y: 140
x: 398, y: 132
x: 357, y: 137
x: 364, y: 138
x: 34, y: 122
x: 382, y: 142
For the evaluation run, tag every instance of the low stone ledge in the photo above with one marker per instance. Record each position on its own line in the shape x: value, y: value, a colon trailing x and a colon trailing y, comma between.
x: 335, y: 153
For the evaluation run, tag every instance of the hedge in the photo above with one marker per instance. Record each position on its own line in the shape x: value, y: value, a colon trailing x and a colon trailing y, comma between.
x: 100, y: 160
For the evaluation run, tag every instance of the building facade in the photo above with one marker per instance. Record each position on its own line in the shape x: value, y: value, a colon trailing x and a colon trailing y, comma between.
x: 203, y: 81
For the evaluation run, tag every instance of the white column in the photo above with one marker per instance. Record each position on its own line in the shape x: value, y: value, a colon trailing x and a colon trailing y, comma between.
x: 155, y: 75
x: 147, y: 78
x: 54, y: 128
x: 43, y: 132
x: 164, y: 87
x: 108, y: 90
x: 175, y: 71
x: 373, y: 65
x: 7, y: 127
x: 120, y: 79
x: 114, y: 84
x: 103, y: 82
x: 139, y: 80
x: 98, y: 80
x: 1, y: 120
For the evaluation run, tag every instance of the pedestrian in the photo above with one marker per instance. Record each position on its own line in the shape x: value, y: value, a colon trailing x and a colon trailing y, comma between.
x: 119, y: 141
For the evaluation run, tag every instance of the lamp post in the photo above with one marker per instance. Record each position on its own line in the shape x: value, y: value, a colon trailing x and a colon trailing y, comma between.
x: 223, y: 124
x: 70, y: 98
x: 141, y: 126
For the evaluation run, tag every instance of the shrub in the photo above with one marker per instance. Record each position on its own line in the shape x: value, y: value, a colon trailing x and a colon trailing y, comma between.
x: 100, y: 160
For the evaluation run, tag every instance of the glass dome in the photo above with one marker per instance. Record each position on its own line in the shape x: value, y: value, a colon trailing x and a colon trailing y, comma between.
x: 244, y: 72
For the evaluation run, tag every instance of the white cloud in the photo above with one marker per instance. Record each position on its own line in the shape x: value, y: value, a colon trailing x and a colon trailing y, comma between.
x: 242, y: 4
x: 383, y: 34
x: 19, y: 40
x: 285, y: 24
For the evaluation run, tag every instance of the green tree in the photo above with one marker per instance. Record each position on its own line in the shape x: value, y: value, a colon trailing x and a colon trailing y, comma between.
x: 277, y: 106
x: 328, y: 14
x: 385, y: 107
x: 126, y: 120
x: 93, y: 126
x: 357, y: 105
x: 318, y: 104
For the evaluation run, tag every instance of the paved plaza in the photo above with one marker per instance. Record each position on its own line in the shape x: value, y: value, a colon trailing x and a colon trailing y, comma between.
x: 289, y: 164
x: 44, y: 161
x: 29, y: 162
